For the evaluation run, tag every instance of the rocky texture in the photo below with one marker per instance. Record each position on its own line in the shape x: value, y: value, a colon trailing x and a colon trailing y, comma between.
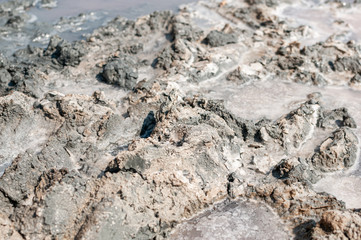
x: 65, y: 53
x: 338, y: 225
x: 339, y: 117
x: 112, y: 137
x: 216, y: 38
x: 240, y: 77
x: 121, y: 72
x: 177, y: 52
x: 337, y: 152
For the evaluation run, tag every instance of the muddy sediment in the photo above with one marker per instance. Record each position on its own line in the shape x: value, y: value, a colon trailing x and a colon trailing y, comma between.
x: 136, y: 132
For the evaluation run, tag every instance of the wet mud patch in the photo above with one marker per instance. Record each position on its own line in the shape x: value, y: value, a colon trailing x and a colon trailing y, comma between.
x: 236, y: 220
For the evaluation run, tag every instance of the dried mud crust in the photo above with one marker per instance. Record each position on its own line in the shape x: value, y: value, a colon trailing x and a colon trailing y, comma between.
x: 135, y: 164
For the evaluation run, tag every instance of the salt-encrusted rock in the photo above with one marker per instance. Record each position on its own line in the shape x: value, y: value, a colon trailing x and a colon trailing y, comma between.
x: 337, y: 152
x: 122, y: 72
x: 338, y: 225
x: 217, y: 39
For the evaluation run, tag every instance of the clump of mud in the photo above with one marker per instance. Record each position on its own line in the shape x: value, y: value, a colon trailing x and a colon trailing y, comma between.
x: 135, y: 133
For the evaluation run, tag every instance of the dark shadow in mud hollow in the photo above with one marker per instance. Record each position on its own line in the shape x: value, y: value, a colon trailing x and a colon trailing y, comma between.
x: 100, y: 78
x: 148, y: 125
x: 304, y: 230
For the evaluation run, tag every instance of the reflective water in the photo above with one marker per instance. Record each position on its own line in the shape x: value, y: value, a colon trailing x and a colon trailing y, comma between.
x: 340, y: 20
x: 72, y: 19
x: 111, y: 8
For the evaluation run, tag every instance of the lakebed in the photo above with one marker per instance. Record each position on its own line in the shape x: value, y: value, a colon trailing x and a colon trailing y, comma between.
x: 225, y: 119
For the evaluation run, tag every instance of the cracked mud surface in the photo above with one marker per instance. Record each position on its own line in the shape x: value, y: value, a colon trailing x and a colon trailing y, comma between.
x: 181, y: 125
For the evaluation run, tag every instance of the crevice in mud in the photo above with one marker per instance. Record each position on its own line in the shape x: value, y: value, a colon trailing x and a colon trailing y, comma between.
x: 304, y: 230
x: 113, y: 168
x: 148, y: 126
x: 118, y: 149
x: 13, y: 202
x: 21, y: 234
x: 132, y: 170
x: 47, y: 180
x: 231, y: 180
x: 244, y: 132
x: 99, y: 77
x: 87, y: 213
x: 217, y: 107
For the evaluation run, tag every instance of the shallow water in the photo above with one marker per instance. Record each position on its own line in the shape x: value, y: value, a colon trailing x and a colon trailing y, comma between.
x: 95, y: 13
x: 339, y: 20
x: 72, y: 20
x: 112, y: 8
